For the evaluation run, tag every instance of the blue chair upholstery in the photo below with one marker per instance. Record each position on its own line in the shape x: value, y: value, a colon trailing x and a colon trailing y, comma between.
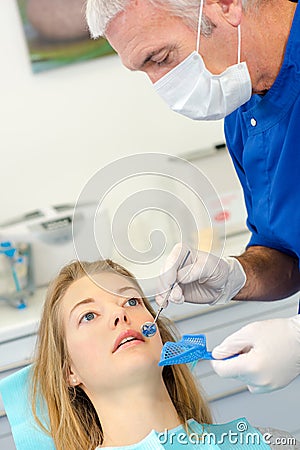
x: 15, y: 395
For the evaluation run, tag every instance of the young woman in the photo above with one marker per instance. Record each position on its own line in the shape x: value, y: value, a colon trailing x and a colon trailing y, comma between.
x: 98, y: 377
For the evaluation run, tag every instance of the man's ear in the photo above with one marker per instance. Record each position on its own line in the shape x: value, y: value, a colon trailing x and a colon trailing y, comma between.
x: 231, y: 11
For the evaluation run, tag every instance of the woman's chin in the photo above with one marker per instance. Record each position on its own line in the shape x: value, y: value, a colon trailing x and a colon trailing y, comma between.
x: 135, y: 361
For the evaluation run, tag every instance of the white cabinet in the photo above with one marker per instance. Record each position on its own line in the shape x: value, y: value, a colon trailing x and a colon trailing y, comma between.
x: 6, y: 440
x: 17, y: 352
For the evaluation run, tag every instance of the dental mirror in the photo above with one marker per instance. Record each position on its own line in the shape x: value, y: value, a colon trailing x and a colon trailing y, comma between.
x: 148, y: 329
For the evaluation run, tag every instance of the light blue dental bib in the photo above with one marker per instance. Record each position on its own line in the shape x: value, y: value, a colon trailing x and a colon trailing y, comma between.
x: 235, y: 435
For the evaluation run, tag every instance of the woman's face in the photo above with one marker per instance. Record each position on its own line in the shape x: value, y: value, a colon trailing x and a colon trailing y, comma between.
x: 102, y: 331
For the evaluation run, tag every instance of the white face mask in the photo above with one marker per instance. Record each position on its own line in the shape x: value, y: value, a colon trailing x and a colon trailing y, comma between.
x: 191, y: 90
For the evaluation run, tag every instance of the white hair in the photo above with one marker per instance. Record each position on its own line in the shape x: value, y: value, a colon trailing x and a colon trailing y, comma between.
x: 100, y: 12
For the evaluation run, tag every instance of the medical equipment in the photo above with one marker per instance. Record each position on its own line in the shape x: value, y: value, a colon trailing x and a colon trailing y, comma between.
x: 149, y: 329
x: 190, y: 348
x: 49, y: 231
x: 16, y: 283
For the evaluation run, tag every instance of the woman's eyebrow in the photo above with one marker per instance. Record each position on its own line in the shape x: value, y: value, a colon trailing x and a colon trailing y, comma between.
x: 82, y: 302
x: 126, y: 288
x: 91, y: 300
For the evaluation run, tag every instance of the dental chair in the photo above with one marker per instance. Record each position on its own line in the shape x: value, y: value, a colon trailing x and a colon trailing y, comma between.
x: 26, y: 433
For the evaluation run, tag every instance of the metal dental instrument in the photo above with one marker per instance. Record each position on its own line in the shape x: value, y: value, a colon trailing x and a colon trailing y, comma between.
x: 149, y: 328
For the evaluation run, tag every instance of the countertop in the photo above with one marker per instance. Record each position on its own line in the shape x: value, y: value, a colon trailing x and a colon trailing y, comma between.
x: 15, y: 322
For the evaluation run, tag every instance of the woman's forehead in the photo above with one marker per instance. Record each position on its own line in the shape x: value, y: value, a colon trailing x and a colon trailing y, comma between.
x: 102, y: 284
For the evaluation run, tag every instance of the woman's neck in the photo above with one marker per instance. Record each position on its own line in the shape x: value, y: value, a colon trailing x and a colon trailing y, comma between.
x: 128, y: 415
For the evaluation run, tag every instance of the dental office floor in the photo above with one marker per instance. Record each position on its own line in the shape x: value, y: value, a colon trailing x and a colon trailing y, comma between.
x: 228, y: 398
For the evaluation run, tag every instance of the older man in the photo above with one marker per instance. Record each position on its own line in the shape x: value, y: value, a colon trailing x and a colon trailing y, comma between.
x: 238, y: 59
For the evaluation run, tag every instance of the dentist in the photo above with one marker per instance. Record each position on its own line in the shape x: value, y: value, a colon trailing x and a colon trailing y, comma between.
x: 238, y: 60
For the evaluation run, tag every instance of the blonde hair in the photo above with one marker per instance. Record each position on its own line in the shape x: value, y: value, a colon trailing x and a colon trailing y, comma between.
x: 66, y: 413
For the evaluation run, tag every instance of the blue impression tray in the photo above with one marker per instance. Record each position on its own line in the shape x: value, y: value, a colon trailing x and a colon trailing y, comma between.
x: 190, y: 348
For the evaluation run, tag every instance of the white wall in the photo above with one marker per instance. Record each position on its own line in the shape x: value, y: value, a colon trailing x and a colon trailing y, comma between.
x: 59, y: 127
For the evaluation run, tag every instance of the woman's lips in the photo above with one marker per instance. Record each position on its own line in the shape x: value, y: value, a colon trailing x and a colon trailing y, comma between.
x: 128, y: 344
x: 138, y: 339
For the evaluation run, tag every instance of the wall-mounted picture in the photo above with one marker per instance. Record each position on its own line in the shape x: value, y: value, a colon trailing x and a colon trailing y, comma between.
x: 56, y: 33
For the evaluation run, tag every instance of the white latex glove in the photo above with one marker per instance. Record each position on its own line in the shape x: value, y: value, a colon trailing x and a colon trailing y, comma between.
x: 270, y: 356
x: 205, y: 278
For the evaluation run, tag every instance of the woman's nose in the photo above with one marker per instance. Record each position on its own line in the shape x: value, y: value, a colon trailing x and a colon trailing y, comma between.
x: 119, y: 317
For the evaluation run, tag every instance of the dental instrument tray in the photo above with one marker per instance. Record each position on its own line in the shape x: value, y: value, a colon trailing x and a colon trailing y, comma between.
x: 191, y: 348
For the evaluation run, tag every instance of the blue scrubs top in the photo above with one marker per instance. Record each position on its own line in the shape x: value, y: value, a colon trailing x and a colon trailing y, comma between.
x: 263, y: 138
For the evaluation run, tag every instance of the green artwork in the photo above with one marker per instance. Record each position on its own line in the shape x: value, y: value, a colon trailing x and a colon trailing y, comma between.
x: 57, y: 34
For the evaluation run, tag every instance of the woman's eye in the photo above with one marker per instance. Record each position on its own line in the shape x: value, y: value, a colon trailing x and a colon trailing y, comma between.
x: 88, y: 317
x: 133, y: 302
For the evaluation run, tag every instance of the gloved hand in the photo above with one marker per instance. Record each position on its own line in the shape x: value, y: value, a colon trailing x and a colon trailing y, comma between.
x: 270, y: 354
x: 205, y: 278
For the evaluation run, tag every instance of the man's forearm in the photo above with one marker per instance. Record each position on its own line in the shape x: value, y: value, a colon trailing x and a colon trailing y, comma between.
x: 271, y: 275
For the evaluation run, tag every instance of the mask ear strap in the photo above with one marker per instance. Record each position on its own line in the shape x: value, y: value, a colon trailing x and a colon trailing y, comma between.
x: 199, y: 25
x: 239, y: 44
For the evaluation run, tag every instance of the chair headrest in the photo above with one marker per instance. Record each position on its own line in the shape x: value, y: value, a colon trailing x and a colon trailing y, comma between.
x: 27, y: 435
